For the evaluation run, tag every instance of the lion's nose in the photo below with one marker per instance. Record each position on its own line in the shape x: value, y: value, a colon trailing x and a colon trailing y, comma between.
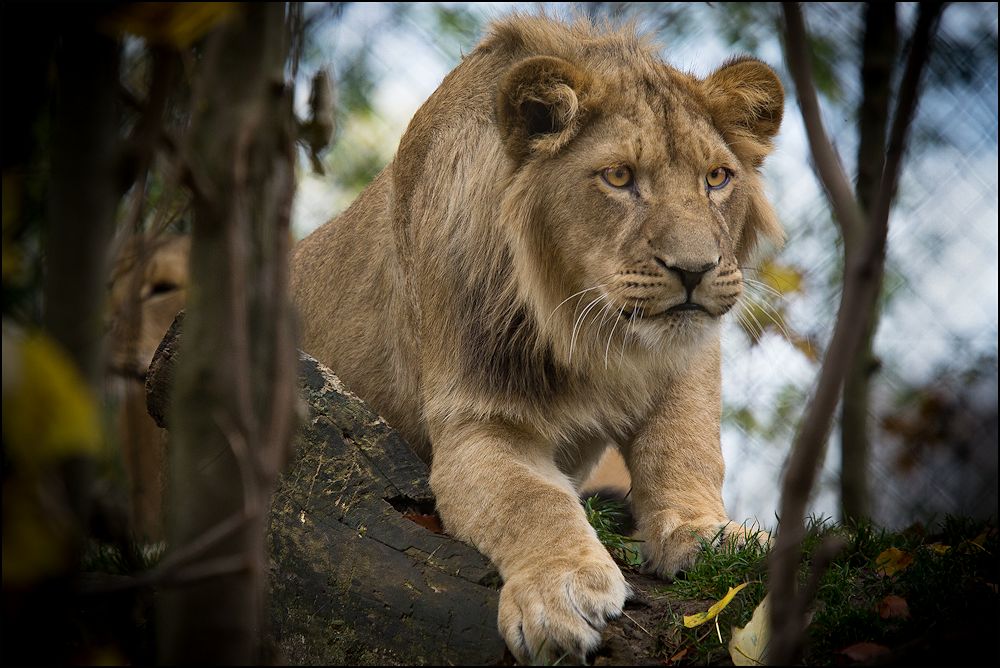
x: 690, y: 278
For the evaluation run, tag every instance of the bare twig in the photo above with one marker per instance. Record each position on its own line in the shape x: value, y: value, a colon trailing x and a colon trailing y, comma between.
x: 209, y: 569
x: 825, y: 158
x: 185, y: 554
x: 641, y: 627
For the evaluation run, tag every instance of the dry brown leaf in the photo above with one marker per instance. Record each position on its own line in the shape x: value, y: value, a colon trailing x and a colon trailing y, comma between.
x: 863, y: 652
x: 677, y: 657
x: 893, y: 607
x: 429, y: 522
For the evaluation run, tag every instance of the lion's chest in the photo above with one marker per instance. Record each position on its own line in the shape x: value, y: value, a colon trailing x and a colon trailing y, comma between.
x: 612, y: 405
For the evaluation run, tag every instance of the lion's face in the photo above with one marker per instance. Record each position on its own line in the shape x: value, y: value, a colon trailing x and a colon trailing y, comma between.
x: 654, y: 245
x: 647, y: 207
x: 146, y: 294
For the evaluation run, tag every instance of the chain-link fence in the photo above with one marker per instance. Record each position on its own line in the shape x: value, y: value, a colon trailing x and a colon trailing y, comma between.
x: 933, y: 411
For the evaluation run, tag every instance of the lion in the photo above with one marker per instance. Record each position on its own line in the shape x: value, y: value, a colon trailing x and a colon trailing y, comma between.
x: 540, y: 273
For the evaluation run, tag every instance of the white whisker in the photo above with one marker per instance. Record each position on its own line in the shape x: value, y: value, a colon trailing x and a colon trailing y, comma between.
x: 580, y: 293
x: 607, y: 348
x: 760, y: 285
x: 771, y: 312
x: 758, y: 326
x: 579, y: 320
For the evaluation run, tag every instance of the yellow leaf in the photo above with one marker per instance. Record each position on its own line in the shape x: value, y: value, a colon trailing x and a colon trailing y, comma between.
x: 749, y: 643
x: 892, y: 561
x: 36, y: 544
x: 980, y: 540
x: 49, y: 413
x: 939, y: 548
x: 783, y: 278
x: 691, y: 621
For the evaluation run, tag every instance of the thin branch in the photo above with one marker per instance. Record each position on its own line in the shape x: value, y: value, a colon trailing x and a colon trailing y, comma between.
x: 879, y: 55
x: 906, y: 105
x: 825, y: 158
x: 209, y: 569
x: 209, y: 538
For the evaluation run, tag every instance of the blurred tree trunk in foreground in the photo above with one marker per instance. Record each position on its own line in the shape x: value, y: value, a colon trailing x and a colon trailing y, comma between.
x: 867, y: 230
x: 878, y: 60
x: 83, y: 198
x: 232, y: 412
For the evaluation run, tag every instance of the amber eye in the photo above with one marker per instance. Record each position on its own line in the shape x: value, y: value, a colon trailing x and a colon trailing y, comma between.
x: 618, y: 177
x: 717, y: 178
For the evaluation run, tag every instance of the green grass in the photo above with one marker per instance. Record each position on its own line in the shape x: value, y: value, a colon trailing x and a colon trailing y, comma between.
x: 608, y: 517
x: 950, y: 587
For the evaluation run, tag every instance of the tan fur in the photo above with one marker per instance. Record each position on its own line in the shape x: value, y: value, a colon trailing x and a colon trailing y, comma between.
x: 506, y: 308
x: 148, y: 287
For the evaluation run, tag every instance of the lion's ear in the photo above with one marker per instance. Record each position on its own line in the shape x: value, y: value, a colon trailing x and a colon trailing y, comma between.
x: 746, y: 101
x: 541, y: 102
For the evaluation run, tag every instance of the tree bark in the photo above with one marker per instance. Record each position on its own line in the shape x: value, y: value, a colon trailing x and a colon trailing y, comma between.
x: 878, y: 58
x: 232, y: 409
x: 83, y: 191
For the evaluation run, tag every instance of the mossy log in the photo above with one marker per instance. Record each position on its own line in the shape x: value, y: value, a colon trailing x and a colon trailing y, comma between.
x: 360, y: 573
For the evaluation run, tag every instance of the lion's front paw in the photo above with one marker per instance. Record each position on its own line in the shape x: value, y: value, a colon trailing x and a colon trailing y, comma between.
x: 560, y: 609
x: 675, y: 549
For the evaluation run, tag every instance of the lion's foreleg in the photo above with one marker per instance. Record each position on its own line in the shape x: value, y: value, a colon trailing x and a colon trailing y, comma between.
x: 677, y: 469
x: 500, y: 489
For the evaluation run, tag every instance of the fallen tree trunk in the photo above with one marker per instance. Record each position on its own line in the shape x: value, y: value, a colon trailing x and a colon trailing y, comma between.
x: 360, y: 573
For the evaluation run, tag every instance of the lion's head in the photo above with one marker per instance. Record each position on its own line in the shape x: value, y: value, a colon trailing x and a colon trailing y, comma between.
x: 148, y: 287
x: 635, y: 194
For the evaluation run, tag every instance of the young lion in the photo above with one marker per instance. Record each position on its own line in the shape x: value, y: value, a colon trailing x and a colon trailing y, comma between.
x: 539, y: 273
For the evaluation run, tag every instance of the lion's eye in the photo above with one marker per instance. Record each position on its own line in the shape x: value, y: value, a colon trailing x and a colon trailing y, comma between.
x: 618, y: 177
x: 717, y: 178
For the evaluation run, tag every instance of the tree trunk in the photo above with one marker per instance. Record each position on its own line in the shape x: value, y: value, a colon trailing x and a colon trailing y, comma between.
x: 231, y: 414
x: 83, y: 195
x: 878, y: 58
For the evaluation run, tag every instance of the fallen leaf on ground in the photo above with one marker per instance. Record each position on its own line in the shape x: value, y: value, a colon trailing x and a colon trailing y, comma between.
x: 691, y: 621
x: 676, y: 657
x: 864, y: 652
x: 980, y: 540
x: 939, y: 548
x: 893, y: 607
x: 892, y: 561
x: 749, y: 643
x: 429, y: 522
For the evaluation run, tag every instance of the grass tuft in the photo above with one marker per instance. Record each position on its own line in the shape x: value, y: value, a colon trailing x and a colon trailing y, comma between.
x: 609, y: 517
